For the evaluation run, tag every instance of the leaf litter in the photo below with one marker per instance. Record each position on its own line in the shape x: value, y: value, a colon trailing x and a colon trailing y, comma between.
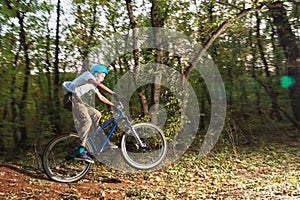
x: 270, y: 173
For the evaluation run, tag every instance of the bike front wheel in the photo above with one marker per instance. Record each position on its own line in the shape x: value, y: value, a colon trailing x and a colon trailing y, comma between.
x: 149, y: 156
x: 58, y: 159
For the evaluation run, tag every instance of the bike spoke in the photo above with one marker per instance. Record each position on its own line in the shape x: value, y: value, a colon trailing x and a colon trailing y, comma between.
x: 144, y: 157
x: 58, y: 159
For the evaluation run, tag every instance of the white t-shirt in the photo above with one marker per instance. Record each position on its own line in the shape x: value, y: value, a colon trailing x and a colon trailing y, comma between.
x: 80, y: 85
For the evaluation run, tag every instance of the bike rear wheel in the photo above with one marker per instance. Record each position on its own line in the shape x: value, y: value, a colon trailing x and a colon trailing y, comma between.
x: 148, y: 157
x: 58, y: 159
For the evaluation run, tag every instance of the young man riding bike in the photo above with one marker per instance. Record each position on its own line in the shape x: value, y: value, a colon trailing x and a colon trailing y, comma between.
x: 86, y: 116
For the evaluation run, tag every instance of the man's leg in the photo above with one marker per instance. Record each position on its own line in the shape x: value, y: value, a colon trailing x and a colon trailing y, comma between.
x: 83, y: 121
x: 95, y: 117
x: 83, y: 124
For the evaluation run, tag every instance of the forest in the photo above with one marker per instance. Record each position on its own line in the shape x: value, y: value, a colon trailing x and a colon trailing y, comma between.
x: 228, y: 68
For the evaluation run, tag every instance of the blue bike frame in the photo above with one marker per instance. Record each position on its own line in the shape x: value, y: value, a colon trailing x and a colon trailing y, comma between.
x: 116, y: 119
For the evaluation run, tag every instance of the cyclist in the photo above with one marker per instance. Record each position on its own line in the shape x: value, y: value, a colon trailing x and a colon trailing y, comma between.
x: 86, y: 116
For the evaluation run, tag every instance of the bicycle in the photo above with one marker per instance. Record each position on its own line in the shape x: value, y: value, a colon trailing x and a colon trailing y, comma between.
x: 143, y: 146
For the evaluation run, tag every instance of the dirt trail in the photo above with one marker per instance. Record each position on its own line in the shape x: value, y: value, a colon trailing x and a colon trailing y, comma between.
x: 26, y: 183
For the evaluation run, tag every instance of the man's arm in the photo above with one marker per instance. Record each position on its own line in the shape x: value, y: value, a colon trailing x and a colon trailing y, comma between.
x: 101, y: 86
x: 103, y: 99
x: 106, y: 89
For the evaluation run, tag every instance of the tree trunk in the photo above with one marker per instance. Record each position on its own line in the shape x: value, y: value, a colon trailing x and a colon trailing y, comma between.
x: 2, y: 129
x: 50, y: 110
x: 136, y: 55
x: 13, y: 103
x: 22, y: 104
x: 288, y: 41
x: 156, y: 23
x: 56, y: 73
x: 90, y: 37
x: 273, y: 94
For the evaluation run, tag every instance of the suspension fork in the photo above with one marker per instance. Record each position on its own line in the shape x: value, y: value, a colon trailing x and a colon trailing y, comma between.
x: 134, y: 133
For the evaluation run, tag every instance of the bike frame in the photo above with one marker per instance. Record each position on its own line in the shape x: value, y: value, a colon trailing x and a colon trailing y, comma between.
x: 115, y: 120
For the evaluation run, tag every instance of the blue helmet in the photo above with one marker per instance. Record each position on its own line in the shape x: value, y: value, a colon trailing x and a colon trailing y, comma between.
x: 99, y: 68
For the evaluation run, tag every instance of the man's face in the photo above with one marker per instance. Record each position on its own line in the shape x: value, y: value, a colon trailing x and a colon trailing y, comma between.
x: 100, y: 77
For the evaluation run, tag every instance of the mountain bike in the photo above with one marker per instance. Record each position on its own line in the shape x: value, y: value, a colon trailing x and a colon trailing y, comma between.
x: 143, y: 146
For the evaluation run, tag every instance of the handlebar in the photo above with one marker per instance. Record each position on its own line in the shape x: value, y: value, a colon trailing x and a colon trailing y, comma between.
x: 120, y: 106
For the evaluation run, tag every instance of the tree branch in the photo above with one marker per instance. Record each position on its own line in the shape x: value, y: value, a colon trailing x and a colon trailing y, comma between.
x: 217, y: 33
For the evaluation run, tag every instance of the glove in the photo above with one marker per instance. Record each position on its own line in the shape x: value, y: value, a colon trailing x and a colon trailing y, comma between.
x: 116, y: 96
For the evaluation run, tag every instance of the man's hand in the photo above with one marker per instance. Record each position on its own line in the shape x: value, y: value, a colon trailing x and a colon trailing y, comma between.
x: 116, y: 108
